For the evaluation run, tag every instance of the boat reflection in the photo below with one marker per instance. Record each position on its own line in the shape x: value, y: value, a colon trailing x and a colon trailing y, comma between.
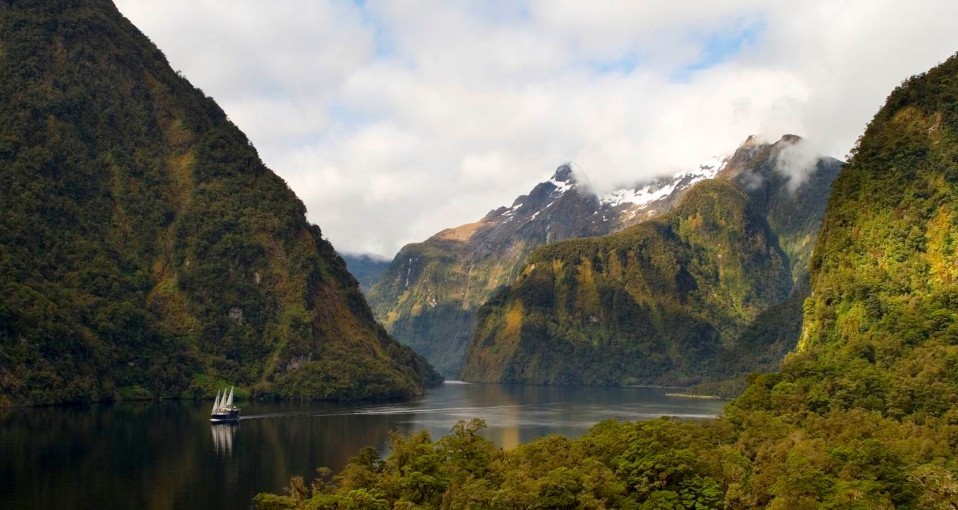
x: 223, y: 434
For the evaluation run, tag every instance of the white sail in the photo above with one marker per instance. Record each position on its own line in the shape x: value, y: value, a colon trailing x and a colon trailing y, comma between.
x: 229, y: 400
x: 216, y: 403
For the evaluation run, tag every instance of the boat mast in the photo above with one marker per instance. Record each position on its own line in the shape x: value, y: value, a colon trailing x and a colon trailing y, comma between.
x: 229, y: 401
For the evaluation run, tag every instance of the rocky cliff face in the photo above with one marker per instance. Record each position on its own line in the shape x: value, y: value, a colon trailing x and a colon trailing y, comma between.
x: 145, y: 250
x: 669, y: 301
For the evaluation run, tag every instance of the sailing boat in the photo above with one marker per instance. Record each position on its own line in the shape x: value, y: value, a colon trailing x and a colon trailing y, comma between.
x: 223, y: 408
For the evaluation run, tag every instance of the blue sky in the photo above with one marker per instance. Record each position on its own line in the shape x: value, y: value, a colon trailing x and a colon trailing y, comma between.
x: 394, y: 119
x: 722, y: 46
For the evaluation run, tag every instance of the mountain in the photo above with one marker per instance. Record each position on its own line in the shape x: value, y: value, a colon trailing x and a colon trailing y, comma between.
x: 429, y: 295
x: 653, y: 303
x: 671, y: 300
x: 862, y: 415
x: 367, y: 269
x: 874, y: 373
x: 790, y: 184
x: 145, y: 250
x: 880, y: 330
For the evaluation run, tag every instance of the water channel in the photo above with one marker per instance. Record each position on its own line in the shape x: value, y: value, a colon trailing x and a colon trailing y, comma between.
x: 165, y: 455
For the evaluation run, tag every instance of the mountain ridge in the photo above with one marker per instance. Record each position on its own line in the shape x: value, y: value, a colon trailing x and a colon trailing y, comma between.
x: 429, y: 295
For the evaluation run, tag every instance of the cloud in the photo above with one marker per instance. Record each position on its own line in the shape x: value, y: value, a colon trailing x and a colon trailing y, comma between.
x: 797, y: 161
x: 395, y: 119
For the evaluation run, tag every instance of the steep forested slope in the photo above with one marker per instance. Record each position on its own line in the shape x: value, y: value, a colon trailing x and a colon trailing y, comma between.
x: 145, y: 250
x: 788, y: 184
x: 881, y: 320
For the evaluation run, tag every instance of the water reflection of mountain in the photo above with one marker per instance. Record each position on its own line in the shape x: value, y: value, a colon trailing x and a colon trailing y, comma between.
x: 101, y: 456
x: 502, y: 413
x: 517, y: 414
x: 295, y: 439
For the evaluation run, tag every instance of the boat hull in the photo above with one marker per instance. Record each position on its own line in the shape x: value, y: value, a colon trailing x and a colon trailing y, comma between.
x: 225, y: 417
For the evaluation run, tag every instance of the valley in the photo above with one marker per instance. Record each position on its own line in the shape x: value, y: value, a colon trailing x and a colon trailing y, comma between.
x: 769, y: 328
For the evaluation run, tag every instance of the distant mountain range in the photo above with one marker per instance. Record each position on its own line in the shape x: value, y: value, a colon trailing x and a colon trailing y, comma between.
x: 429, y: 296
x: 366, y: 268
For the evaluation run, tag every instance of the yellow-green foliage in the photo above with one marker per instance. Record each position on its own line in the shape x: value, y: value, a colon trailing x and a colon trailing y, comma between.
x: 941, y: 256
x: 883, y: 271
x: 616, y: 465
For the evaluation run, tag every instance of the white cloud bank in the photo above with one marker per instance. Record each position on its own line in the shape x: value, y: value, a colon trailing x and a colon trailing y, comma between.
x: 395, y: 119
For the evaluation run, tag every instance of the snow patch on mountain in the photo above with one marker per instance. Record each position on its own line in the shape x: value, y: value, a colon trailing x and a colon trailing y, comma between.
x: 561, y: 186
x: 645, y: 194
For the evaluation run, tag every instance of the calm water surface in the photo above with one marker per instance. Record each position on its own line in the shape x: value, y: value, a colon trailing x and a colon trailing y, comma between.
x: 167, y: 455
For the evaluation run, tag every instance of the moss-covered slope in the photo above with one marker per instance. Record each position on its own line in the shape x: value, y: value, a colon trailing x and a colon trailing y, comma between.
x: 144, y: 247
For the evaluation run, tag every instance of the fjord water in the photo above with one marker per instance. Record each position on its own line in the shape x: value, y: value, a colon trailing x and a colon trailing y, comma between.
x: 166, y: 454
